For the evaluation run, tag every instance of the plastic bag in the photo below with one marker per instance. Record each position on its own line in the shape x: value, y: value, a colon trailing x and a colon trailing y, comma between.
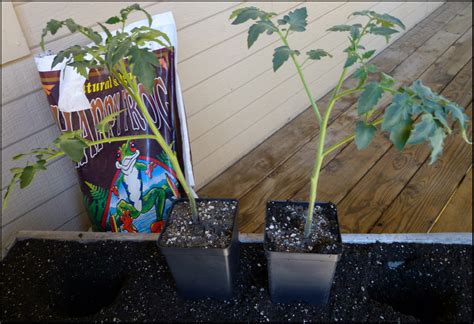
x: 127, y: 186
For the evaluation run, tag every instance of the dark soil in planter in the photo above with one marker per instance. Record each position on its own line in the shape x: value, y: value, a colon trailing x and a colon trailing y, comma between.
x: 214, y: 229
x: 284, y: 228
x: 129, y: 281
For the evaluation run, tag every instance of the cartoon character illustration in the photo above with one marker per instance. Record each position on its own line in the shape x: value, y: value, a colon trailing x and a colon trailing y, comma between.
x: 137, y: 202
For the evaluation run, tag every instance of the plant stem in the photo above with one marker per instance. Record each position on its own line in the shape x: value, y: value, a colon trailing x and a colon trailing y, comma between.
x: 132, y: 88
x: 347, y: 139
x: 322, y: 139
x: 303, y: 80
x: 320, y: 156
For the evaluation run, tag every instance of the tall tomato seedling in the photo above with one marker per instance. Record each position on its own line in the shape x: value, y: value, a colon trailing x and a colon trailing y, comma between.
x: 415, y: 115
x: 126, y: 58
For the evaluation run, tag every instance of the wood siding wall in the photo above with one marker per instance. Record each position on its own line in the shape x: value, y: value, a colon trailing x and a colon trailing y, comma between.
x: 233, y: 99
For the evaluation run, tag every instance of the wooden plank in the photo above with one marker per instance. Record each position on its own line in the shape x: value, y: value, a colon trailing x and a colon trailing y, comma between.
x: 262, y: 160
x: 364, y: 205
x: 456, y: 216
x: 14, y: 44
x: 419, y: 204
x: 286, y: 180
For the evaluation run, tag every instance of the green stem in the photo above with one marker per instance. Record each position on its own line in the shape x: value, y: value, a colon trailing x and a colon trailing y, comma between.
x: 322, y: 139
x: 320, y: 155
x: 347, y: 139
x: 104, y: 141
x: 132, y: 88
x: 303, y: 80
x: 348, y: 92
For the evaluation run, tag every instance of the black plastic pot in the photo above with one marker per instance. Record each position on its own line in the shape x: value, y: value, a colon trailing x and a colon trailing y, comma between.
x: 303, y: 277
x: 204, y: 272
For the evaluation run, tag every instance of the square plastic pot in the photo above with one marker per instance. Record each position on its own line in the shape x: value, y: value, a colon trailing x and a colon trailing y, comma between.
x: 204, y: 272
x: 295, y: 277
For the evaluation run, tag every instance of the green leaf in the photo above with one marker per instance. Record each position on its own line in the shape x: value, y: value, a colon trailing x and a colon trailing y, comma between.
x: 369, y: 97
x: 362, y: 13
x: 360, y: 73
x: 355, y: 32
x: 389, y: 19
x: 104, y: 125
x: 317, y: 54
x: 458, y: 115
x: 116, y: 50
x: 74, y: 148
x: 71, y: 25
x: 143, y: 64
x: 371, y: 68
x: 340, y: 28
x: 280, y: 56
x: 400, y: 133
x: 297, y: 19
x: 383, y: 31
x: 113, y: 20
x: 243, y: 14
x: 351, y: 59
x: 364, y: 134
x: 259, y: 28
x: 436, y: 144
x: 10, y: 187
x: 397, y: 112
x: 53, y: 26
x: 368, y: 54
x: 423, y: 130
x: 106, y: 30
x: 387, y: 81
x: 134, y: 7
x: 27, y: 176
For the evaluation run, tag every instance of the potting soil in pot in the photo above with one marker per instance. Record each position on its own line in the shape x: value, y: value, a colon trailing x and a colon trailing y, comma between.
x: 129, y: 281
x: 213, y: 230
x: 285, y: 228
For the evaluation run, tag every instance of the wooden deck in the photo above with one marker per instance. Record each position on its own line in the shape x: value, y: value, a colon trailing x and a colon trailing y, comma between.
x: 379, y: 189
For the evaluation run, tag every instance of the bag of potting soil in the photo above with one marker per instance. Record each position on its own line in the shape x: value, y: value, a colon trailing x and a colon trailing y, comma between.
x: 127, y: 186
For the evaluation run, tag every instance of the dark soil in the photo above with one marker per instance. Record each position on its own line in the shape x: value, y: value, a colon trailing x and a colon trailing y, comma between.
x: 214, y: 229
x: 129, y: 281
x: 284, y: 228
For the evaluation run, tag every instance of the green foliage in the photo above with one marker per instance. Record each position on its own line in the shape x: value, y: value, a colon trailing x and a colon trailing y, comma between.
x: 296, y: 19
x: 104, y: 125
x: 364, y: 134
x: 415, y: 115
x: 112, y: 51
x: 72, y: 144
x: 317, y: 54
x: 369, y: 97
x: 281, y: 55
x: 259, y: 28
x: 143, y: 63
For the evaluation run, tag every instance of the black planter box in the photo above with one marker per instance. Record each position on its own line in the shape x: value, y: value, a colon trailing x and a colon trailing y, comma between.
x: 303, y: 277
x: 376, y: 280
x: 200, y: 272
